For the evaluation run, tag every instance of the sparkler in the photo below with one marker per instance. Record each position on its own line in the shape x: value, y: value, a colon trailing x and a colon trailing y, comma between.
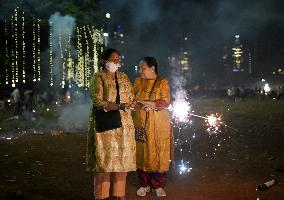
x: 214, y: 123
x: 184, y: 168
x: 182, y: 114
x: 180, y: 110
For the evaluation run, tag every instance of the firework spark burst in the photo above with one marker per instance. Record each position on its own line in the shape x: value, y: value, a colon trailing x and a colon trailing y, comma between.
x: 184, y: 167
x: 213, y: 123
x: 180, y: 110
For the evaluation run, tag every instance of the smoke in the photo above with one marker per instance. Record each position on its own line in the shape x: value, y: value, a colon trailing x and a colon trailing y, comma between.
x: 74, y: 117
x: 62, y: 29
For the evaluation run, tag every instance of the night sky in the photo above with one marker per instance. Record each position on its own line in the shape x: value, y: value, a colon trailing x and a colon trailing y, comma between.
x: 157, y: 28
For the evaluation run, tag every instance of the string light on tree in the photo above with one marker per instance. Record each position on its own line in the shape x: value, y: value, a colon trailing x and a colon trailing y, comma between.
x: 69, y: 62
x: 63, y: 75
x: 50, y: 54
x: 6, y: 55
x: 23, y: 49
x: 34, y: 52
x: 16, y: 47
x: 70, y: 69
x: 62, y: 57
x: 97, y: 40
x: 80, y: 69
x: 12, y: 53
x: 87, y: 61
x: 38, y: 50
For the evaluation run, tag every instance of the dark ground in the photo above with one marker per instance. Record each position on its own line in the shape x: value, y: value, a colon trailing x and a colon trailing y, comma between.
x: 53, y: 167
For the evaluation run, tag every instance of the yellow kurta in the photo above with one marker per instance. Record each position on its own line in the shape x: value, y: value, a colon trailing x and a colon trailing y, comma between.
x: 154, y: 154
x: 113, y: 150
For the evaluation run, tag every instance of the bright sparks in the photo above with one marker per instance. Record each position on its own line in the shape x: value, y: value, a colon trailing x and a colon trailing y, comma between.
x: 180, y: 109
x: 213, y: 123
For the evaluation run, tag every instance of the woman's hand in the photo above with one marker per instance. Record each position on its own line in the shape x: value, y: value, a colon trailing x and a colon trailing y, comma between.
x: 148, y: 108
x: 110, y: 106
x: 136, y: 106
x: 124, y: 106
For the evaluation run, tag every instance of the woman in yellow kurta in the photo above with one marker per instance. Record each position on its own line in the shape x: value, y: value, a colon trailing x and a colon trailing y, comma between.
x: 153, y: 156
x: 111, y: 151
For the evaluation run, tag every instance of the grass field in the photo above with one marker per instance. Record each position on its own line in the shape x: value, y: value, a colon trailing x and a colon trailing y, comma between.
x: 53, y: 167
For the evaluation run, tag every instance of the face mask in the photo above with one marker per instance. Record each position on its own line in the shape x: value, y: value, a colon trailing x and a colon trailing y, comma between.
x: 112, y: 67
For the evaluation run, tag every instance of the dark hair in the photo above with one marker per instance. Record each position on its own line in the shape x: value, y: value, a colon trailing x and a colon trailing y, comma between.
x: 106, y: 55
x: 151, y: 61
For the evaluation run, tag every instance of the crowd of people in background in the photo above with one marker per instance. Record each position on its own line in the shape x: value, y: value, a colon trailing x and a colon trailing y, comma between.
x: 25, y: 102
x: 235, y: 93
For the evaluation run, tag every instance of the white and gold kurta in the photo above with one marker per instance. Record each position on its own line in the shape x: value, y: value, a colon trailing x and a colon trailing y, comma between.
x: 113, y: 150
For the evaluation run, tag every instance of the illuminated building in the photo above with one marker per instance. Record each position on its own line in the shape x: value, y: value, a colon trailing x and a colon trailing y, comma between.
x: 118, y: 36
x: 237, y: 55
x: 236, y: 58
x: 180, y: 61
x: 118, y: 42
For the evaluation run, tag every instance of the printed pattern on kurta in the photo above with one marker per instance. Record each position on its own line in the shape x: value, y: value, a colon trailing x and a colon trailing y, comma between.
x: 154, y: 154
x: 113, y: 150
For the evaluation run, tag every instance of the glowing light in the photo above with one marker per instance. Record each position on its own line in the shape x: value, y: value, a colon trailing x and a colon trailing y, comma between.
x: 213, y: 123
x: 51, y: 53
x: 97, y: 40
x: 180, y: 109
x: 13, y: 54
x: 80, y: 69
x: 108, y: 15
x: 87, y: 60
x: 38, y: 49
x: 34, y: 53
x: 47, y: 109
x: 183, y: 168
x: 87, y: 54
x: 267, y: 88
x: 105, y: 34
x: 6, y: 55
x: 23, y: 50
x: 16, y: 46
